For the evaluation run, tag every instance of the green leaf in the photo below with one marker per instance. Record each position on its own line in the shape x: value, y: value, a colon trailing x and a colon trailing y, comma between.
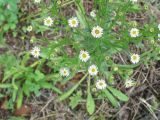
x: 14, y: 94
x: 81, y: 19
x: 19, y: 99
x: 75, y: 99
x: 39, y: 75
x: 56, y: 90
x: 90, y: 101
x: 118, y: 94
x: 25, y: 89
x: 45, y: 85
x: 69, y: 92
x: 110, y: 97
x: 1, y: 95
x: 90, y: 104
x: 50, y: 86
x: 5, y: 85
x: 6, y: 27
x: 81, y: 14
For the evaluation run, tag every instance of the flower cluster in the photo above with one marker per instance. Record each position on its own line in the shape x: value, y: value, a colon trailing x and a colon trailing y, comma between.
x: 84, y: 56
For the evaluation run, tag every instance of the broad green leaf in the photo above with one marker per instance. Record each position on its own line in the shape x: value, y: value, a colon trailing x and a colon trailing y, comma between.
x: 118, y: 94
x: 90, y: 104
x: 110, y: 97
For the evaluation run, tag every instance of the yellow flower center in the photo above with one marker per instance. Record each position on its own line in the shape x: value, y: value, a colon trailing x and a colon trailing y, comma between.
x: 65, y: 72
x: 84, y: 55
x: 36, y: 52
x: 134, y: 57
x: 134, y: 32
x: 93, y: 70
x: 48, y: 21
x: 73, y: 22
x: 97, y: 31
x: 101, y: 83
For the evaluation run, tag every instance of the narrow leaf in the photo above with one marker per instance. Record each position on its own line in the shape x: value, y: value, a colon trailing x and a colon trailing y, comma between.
x: 19, y: 99
x: 5, y: 85
x: 118, y: 94
x: 109, y: 96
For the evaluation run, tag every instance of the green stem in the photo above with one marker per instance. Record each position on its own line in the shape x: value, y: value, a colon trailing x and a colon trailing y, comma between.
x: 89, y: 84
x: 69, y: 92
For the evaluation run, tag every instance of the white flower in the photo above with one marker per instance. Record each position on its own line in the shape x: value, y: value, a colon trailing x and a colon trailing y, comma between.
x: 93, y: 13
x: 64, y: 72
x: 129, y: 83
x: 135, y: 58
x: 84, y: 56
x: 101, y: 84
x: 93, y: 70
x: 73, y: 22
x: 134, y: 1
x: 37, y: 1
x: 134, y: 32
x: 48, y: 21
x: 159, y: 26
x: 97, y: 32
x: 35, y: 52
x: 29, y: 28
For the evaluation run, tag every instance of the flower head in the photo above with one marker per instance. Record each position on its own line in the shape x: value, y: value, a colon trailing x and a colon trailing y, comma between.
x: 48, y: 21
x: 97, y: 32
x: 135, y: 58
x: 35, y: 52
x: 134, y: 32
x: 64, y: 72
x: 84, y: 56
x: 29, y: 28
x: 101, y: 84
x: 129, y: 83
x: 93, y: 13
x: 73, y: 22
x: 37, y: 1
x: 93, y: 70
